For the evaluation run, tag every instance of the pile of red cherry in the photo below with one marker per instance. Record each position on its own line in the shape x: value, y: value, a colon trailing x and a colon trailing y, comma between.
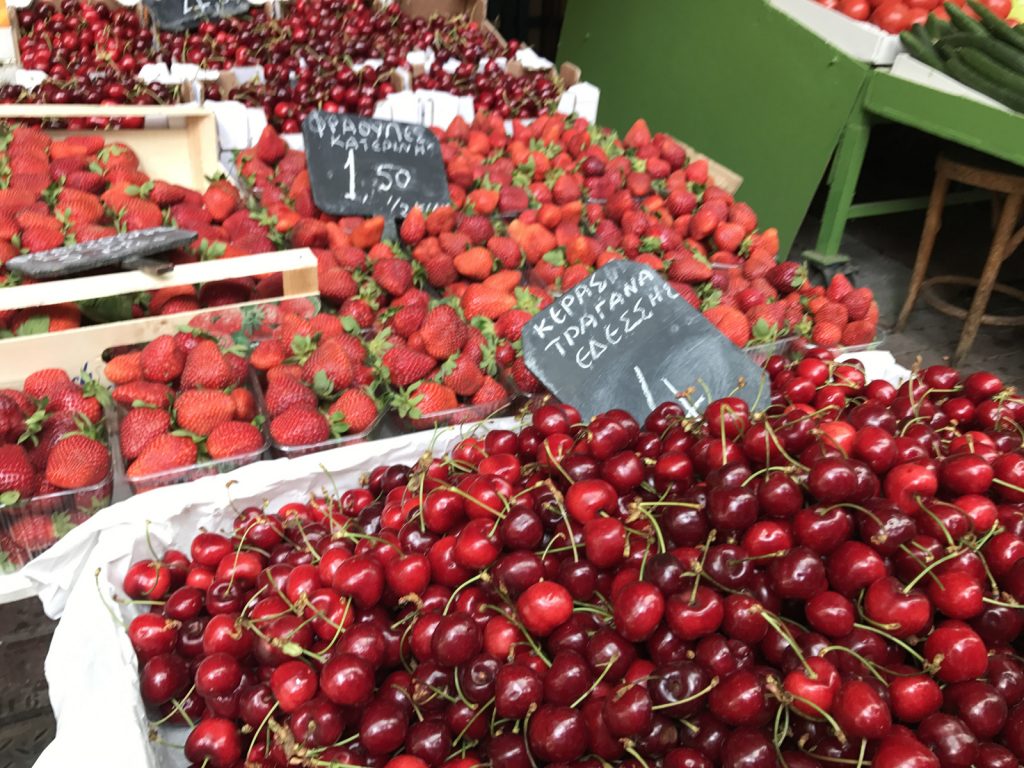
x: 835, y: 581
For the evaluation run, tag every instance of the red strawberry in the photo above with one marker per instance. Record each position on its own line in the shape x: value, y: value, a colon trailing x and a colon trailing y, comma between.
x: 45, y: 382
x: 638, y: 135
x: 37, y: 239
x: 393, y: 275
x: 234, y: 438
x: 731, y: 322
x: 786, y: 276
x: 465, y: 376
x: 148, y: 392
x: 859, y: 332
x: 858, y: 303
x: 221, y: 199
x: 771, y: 316
x: 165, y: 195
x: 190, y: 216
x: 443, y: 332
x: 139, y: 427
x: 728, y: 236
x: 477, y: 228
x: 163, y: 453
x: 685, y: 268
x: 206, y: 366
x: 524, y: 378
x: 832, y: 313
x: 490, y: 392
x: 17, y: 476
x: 245, y: 404
x: 330, y: 360
x: 744, y: 216
x: 513, y: 200
x: 839, y: 288
x: 357, y: 408
x: 87, y: 181
x: 510, y: 324
x: 406, y: 365
x: 77, y: 461
x: 300, y: 425
x: 268, y: 354
x: 428, y: 398
x: 71, y: 399
x: 162, y: 360
x: 826, y: 334
x: 285, y: 392
x: 38, y: 531
x: 439, y: 269
x: 200, y: 410
x: 414, y: 227
x: 408, y: 319
x: 270, y: 147
x: 141, y: 214
x: 337, y: 284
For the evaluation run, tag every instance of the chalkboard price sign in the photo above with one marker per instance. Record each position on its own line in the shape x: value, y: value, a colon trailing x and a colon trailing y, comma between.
x: 361, y: 166
x: 106, y: 252
x: 623, y: 338
x: 178, y: 15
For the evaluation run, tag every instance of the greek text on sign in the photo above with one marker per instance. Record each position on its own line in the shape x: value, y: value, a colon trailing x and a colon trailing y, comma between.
x: 623, y: 338
x: 363, y: 166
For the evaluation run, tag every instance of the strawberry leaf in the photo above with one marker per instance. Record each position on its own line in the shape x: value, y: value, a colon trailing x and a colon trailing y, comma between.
x: 32, y: 326
x: 9, y: 498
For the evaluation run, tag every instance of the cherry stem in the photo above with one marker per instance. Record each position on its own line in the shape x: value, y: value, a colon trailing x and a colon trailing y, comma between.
x: 636, y: 755
x: 656, y: 527
x: 928, y: 569
x: 891, y: 638
x: 1005, y: 484
x: 482, y: 576
x: 700, y: 566
x: 177, y: 708
x: 825, y: 715
x: 263, y: 725
x: 933, y: 516
x: 472, y: 720
x: 1000, y: 603
x: 777, y: 624
x: 763, y: 471
x: 693, y: 697
x: 99, y: 591
x: 604, y: 671
x: 526, y: 634
x: 863, y: 750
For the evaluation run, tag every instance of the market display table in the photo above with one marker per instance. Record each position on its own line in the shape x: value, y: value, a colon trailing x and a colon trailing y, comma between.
x: 957, y: 119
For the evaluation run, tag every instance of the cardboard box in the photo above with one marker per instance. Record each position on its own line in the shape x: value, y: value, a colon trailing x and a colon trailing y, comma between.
x: 474, y: 10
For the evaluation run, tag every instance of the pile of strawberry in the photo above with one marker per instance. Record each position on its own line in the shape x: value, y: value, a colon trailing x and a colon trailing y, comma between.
x: 185, y: 402
x: 837, y: 580
x: 540, y: 210
x: 59, y: 192
x: 435, y: 361
x: 54, y: 461
x: 319, y: 385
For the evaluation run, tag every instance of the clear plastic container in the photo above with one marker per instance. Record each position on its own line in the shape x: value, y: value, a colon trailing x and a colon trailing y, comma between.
x: 294, y: 451
x: 464, y: 414
x: 194, y: 472
x: 25, y: 526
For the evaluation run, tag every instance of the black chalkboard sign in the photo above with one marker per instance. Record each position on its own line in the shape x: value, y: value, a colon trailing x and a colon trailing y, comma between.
x: 127, y: 249
x: 360, y: 166
x: 623, y: 338
x: 178, y: 15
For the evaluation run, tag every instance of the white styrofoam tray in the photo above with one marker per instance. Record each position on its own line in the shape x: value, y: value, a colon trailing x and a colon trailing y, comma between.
x: 857, y: 39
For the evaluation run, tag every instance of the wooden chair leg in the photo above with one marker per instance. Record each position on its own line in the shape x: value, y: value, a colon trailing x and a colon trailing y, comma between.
x: 997, y: 254
x: 932, y: 225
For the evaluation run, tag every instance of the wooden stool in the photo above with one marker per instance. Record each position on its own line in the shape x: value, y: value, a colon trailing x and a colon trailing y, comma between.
x: 1005, y: 181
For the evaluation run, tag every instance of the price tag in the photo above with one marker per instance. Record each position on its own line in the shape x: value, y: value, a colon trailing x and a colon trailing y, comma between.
x: 178, y: 15
x: 130, y: 247
x: 623, y: 338
x: 361, y: 166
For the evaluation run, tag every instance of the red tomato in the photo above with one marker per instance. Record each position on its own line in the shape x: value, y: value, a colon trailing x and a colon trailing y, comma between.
x: 926, y: 4
x: 893, y: 17
x: 940, y: 14
x: 855, y: 9
x: 1000, y: 8
x: 917, y: 16
x: 830, y: 4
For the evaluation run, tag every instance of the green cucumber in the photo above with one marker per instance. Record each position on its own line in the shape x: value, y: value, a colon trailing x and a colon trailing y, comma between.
x: 937, y: 27
x: 1006, y: 54
x: 992, y: 69
x: 916, y: 41
x: 962, y: 21
x: 966, y: 75
x: 998, y: 28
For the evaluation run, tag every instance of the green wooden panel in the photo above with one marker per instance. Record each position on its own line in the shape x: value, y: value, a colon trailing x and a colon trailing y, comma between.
x: 736, y: 79
x: 966, y: 122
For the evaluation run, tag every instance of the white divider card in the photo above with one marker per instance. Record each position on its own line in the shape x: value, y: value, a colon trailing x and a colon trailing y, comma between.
x: 178, y: 15
x: 361, y: 166
x: 623, y: 338
x: 119, y: 249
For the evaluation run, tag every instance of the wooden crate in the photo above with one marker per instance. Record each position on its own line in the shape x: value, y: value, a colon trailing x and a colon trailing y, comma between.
x: 72, y: 348
x: 184, y: 152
